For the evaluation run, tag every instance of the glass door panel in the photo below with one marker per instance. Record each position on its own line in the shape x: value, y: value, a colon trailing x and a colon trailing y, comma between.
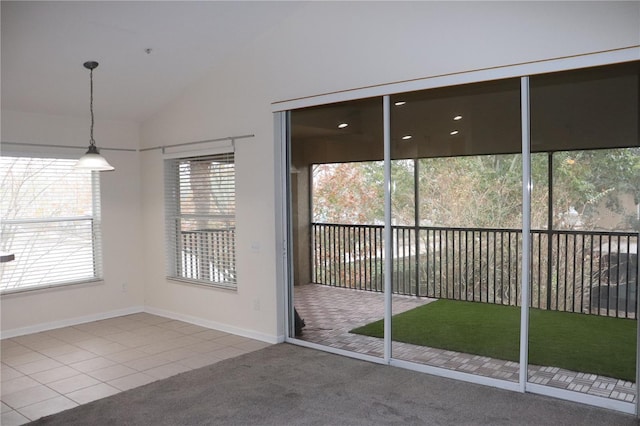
x: 456, y: 207
x: 582, y: 333
x: 336, y: 197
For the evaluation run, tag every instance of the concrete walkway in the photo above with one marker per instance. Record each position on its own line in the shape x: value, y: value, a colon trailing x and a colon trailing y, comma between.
x: 331, y: 312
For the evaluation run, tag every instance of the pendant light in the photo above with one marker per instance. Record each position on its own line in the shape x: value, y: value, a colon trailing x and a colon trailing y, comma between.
x: 92, y: 160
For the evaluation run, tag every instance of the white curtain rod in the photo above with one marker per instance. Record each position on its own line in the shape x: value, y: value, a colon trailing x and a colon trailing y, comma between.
x: 229, y: 138
x: 66, y: 146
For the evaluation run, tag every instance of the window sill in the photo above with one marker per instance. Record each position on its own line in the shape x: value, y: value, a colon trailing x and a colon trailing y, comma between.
x: 196, y: 283
x: 47, y: 288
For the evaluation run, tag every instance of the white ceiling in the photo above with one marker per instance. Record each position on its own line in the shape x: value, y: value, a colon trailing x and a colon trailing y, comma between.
x: 44, y: 45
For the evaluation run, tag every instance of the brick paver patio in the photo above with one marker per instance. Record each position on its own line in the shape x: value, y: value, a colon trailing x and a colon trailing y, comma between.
x: 330, y: 313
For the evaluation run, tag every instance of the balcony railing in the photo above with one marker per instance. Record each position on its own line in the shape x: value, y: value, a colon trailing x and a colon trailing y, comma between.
x: 209, y: 255
x: 590, y: 272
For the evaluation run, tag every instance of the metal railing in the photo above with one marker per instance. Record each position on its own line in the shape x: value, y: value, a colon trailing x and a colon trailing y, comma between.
x: 209, y: 255
x: 590, y: 272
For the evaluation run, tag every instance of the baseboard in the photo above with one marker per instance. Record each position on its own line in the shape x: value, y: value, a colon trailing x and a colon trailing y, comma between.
x: 267, y: 338
x: 69, y: 322
x: 7, y: 334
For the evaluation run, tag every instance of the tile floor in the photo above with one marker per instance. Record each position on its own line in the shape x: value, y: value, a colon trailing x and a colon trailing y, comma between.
x: 51, y: 371
x: 330, y: 313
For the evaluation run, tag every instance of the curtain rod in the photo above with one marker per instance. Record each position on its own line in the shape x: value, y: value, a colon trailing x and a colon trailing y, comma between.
x: 67, y: 146
x: 229, y: 138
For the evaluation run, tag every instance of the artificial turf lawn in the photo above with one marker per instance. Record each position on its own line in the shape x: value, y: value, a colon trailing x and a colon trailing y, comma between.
x: 577, y: 342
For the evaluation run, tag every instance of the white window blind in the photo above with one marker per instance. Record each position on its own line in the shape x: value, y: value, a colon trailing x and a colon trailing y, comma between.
x: 50, y: 220
x: 200, y: 219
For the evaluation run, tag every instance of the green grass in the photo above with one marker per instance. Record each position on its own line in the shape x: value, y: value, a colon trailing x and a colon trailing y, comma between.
x: 577, y: 342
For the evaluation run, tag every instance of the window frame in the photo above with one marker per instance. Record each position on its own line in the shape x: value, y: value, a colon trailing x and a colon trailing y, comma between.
x: 180, y: 266
x: 94, y: 218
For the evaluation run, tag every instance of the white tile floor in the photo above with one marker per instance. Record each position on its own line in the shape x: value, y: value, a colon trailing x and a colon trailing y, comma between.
x: 48, y: 372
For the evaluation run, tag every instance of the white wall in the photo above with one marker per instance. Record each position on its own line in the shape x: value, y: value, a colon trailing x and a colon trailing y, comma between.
x: 326, y: 47
x: 121, y: 224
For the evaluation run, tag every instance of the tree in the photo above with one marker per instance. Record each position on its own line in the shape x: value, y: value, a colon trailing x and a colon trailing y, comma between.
x: 596, y: 183
x: 484, y: 191
x: 348, y: 193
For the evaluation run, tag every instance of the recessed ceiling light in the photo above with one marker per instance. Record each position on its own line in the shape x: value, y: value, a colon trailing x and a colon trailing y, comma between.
x: 400, y: 103
x: 342, y: 125
x: 406, y: 137
x: 453, y: 133
x: 457, y: 117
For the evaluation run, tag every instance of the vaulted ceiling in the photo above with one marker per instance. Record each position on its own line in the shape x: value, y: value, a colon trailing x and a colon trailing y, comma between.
x: 148, y: 51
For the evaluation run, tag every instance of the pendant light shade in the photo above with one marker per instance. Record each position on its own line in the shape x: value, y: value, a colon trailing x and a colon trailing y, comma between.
x: 92, y: 160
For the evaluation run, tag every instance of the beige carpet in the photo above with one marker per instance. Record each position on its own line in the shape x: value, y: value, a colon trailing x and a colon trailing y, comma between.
x: 291, y: 385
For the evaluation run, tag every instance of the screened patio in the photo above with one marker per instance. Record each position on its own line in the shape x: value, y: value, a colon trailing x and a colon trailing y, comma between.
x: 456, y: 193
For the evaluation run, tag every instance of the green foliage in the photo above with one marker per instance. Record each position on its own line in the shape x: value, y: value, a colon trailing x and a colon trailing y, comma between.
x: 480, y: 191
x: 348, y: 193
x: 576, y: 342
x: 596, y: 183
x: 601, y: 186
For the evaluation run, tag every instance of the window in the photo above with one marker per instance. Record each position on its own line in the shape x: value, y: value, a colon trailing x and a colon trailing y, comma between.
x: 200, y: 219
x: 51, y: 222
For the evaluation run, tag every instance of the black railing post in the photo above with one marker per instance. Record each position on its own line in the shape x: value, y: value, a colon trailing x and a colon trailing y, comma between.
x: 416, y: 220
x: 549, y: 227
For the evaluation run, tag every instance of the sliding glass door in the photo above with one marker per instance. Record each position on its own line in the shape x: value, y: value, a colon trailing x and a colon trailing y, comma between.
x: 457, y: 216
x: 336, y: 175
x: 464, y: 230
x: 583, y: 319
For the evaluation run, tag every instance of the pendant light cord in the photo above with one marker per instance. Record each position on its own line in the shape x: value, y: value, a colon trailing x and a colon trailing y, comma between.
x: 91, y: 140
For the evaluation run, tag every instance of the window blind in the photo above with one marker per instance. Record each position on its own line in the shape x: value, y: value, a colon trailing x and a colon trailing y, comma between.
x: 200, y: 219
x: 50, y: 220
